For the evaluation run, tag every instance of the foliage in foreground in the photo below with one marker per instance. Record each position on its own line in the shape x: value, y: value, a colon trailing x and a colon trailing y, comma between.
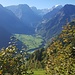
x: 36, y: 59
x: 59, y: 57
x: 61, y: 53
x: 13, y: 62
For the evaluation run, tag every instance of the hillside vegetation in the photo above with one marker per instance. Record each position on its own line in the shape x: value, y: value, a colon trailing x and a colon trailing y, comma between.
x: 61, y: 53
x: 31, y: 42
x: 59, y: 57
x: 53, y: 27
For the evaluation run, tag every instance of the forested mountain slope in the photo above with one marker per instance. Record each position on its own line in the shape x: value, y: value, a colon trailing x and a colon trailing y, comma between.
x: 53, y: 27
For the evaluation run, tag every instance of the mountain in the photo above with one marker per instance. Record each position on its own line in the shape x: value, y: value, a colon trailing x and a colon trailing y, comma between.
x: 40, y: 12
x: 10, y: 22
x: 54, y: 26
x: 4, y: 34
x: 4, y: 37
x: 25, y: 14
x: 47, y: 13
x: 53, y: 11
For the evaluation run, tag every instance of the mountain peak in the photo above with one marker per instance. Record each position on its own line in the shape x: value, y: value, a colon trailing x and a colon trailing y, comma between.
x: 23, y: 5
x: 69, y: 9
x: 69, y: 5
x: 1, y: 6
x: 57, y: 6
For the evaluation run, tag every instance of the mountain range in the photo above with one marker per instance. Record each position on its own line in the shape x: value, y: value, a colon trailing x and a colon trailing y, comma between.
x: 53, y: 27
x: 41, y: 12
x: 53, y: 11
x: 25, y: 14
x: 9, y: 21
x: 22, y: 19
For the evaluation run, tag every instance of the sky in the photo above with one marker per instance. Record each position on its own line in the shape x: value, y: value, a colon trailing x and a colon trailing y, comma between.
x: 40, y: 4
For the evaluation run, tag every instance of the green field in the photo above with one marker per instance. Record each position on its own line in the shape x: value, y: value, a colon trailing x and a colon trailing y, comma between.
x: 30, y: 41
x: 39, y: 72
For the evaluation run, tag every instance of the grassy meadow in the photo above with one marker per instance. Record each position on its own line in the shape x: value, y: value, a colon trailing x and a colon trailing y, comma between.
x: 30, y: 41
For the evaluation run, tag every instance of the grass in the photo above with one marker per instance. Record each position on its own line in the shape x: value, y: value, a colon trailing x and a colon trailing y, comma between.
x: 30, y: 41
x: 39, y: 72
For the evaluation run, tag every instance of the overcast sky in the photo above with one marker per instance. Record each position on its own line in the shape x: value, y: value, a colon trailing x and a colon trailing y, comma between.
x: 37, y: 3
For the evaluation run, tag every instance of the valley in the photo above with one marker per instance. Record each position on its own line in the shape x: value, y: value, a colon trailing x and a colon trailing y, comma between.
x: 32, y: 42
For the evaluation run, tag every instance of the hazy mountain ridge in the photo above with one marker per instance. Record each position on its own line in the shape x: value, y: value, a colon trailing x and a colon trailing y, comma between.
x: 40, y: 12
x: 53, y: 27
x: 44, y: 12
x: 54, y: 10
x: 10, y: 22
x: 25, y: 14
